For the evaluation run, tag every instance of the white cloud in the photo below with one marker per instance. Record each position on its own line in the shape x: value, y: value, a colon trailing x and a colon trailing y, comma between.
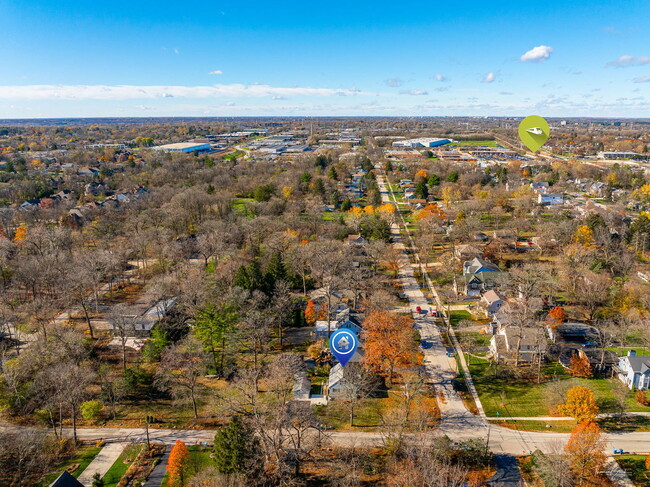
x: 537, y: 54
x: 627, y: 60
x: 439, y: 77
x: 642, y: 79
x: 394, y: 82
x: 128, y: 92
x: 489, y: 78
x: 413, y: 92
x: 216, y: 71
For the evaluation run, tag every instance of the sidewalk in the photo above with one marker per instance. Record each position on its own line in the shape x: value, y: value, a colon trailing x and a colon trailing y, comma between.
x: 617, y: 475
x: 101, y: 463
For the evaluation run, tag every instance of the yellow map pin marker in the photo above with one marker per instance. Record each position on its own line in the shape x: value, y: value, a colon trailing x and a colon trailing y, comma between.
x: 533, y: 132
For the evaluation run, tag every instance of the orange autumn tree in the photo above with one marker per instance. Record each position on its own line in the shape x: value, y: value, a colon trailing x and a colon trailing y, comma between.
x: 314, y: 312
x: 21, y: 233
x: 177, y: 463
x: 647, y: 462
x: 579, y: 366
x: 421, y: 174
x: 585, y: 455
x: 388, y: 342
x: 431, y: 212
x: 557, y: 314
x: 580, y: 403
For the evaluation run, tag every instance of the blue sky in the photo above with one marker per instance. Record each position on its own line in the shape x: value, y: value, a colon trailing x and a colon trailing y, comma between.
x: 200, y: 58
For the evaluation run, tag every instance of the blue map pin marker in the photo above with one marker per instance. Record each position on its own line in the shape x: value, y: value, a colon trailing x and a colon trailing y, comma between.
x: 343, y: 344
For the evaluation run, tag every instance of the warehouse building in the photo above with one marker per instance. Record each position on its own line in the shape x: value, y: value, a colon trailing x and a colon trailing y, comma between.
x: 187, y: 147
x: 421, y: 142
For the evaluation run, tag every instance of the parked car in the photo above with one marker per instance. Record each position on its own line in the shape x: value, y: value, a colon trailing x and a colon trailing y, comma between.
x: 418, y: 309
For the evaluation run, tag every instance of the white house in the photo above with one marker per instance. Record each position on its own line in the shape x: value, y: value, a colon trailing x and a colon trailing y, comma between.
x: 634, y: 371
x: 493, y: 302
x: 550, y: 199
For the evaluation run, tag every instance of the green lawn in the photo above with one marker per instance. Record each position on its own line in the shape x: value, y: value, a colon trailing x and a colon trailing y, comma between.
x: 82, y: 457
x: 509, y: 396
x: 634, y: 466
x: 119, y: 468
x: 485, y: 143
x: 458, y: 315
x: 555, y: 426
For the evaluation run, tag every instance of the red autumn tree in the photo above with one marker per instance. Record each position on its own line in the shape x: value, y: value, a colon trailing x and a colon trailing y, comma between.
x: 579, y: 366
x: 557, y: 314
x: 177, y: 463
x: 313, y: 312
x: 585, y: 453
x: 388, y: 342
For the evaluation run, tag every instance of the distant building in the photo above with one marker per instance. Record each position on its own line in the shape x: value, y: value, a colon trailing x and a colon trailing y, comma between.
x: 621, y: 155
x: 421, y: 142
x: 187, y: 147
x: 550, y: 199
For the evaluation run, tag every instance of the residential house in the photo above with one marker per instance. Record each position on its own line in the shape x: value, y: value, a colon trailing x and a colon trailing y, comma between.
x: 467, y: 252
x: 518, y: 344
x: 479, y: 275
x: 574, y: 334
x: 634, y: 371
x: 550, y: 199
x: 493, y: 302
x: 540, y: 187
x: 301, y: 386
x: 66, y: 480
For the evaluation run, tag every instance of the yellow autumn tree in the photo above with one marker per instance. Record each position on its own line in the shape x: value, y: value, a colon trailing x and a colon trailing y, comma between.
x: 584, y: 236
x: 21, y: 233
x: 370, y: 210
x: 287, y: 192
x: 580, y: 403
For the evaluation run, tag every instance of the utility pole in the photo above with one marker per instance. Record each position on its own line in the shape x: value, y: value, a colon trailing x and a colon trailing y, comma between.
x: 146, y: 429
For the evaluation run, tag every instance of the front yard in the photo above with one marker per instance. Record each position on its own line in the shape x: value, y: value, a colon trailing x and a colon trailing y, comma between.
x: 511, y: 393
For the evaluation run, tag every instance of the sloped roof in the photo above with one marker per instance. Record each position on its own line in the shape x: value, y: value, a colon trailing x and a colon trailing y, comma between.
x: 66, y: 480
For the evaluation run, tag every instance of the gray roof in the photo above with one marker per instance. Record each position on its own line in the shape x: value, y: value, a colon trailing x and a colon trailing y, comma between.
x: 639, y: 365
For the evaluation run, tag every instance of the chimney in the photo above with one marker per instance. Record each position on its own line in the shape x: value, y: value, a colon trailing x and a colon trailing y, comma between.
x: 631, y: 353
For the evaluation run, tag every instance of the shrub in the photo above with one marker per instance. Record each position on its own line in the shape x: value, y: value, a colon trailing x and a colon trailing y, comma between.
x: 91, y: 410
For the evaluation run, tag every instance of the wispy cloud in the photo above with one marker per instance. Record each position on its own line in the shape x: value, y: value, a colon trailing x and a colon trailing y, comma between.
x: 489, y: 78
x: 216, y: 71
x: 413, y: 92
x: 128, y: 92
x: 627, y: 60
x: 439, y: 77
x: 394, y: 82
x: 642, y: 79
x: 537, y: 54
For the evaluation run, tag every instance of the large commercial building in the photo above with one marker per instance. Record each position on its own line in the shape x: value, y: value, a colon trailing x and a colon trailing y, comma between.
x: 187, y: 147
x: 421, y: 142
x: 621, y: 155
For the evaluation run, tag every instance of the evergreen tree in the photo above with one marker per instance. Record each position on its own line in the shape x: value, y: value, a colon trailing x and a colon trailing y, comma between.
x: 421, y: 190
x: 434, y: 180
x: 346, y: 205
x: 235, y: 447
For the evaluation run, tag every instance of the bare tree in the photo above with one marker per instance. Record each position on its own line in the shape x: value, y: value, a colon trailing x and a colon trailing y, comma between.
x: 357, y: 384
x: 123, y: 320
x: 181, y: 367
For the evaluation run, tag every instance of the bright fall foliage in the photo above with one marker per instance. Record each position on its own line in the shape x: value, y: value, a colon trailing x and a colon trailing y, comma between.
x: 579, y: 366
x: 314, y: 313
x: 580, y: 404
x: 431, y: 211
x: 557, y: 314
x: 176, y: 464
x: 21, y: 233
x: 421, y: 174
x: 388, y: 342
x: 584, y: 236
x: 585, y: 454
